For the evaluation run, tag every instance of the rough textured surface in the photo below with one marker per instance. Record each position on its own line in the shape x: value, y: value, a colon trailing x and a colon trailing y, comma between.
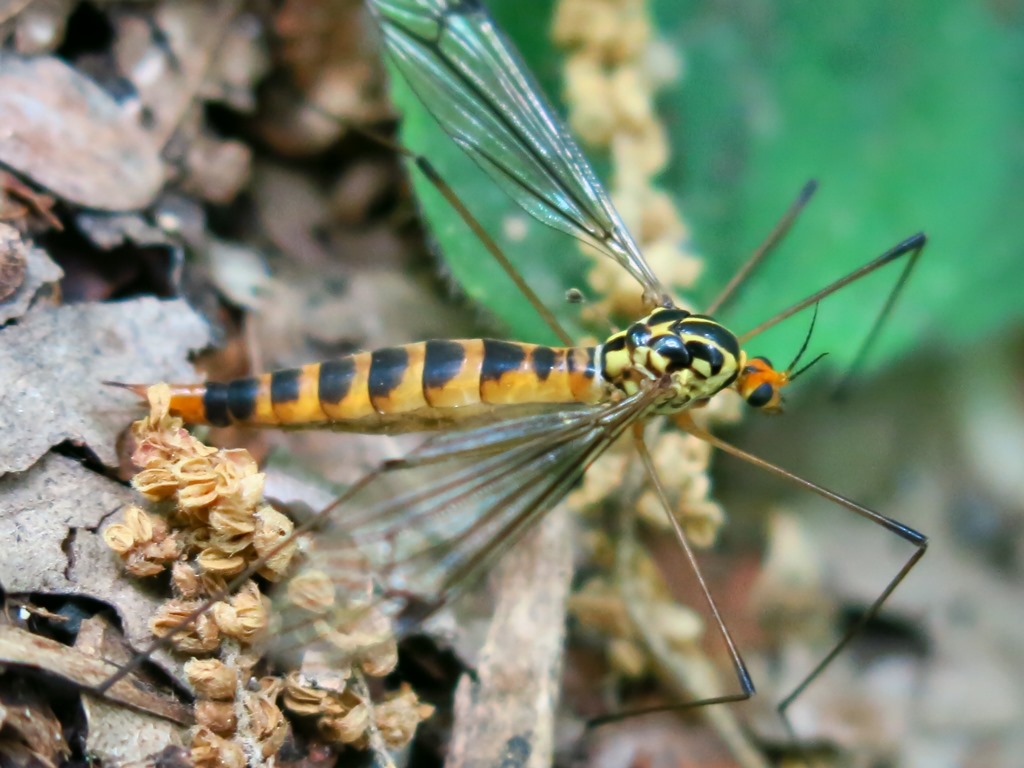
x: 506, y: 715
x: 53, y: 365
x: 65, y: 133
x: 38, y: 269
x: 50, y: 524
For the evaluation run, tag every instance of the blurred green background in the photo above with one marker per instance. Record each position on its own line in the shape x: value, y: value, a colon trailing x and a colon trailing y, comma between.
x: 910, y: 115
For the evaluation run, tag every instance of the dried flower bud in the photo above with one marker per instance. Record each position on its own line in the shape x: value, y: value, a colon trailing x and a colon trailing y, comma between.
x: 212, y: 679
x: 186, y: 581
x: 398, y: 717
x: 218, y: 716
x: 119, y: 537
x: 678, y: 625
x: 239, y: 481
x: 599, y: 606
x: 271, y: 542
x: 215, y: 562
x: 143, y: 527
x: 312, y: 590
x: 381, y: 659
x: 143, y: 542
x: 244, y: 616
x: 266, y: 722
x: 201, y: 636
x: 232, y: 522
x: 212, y: 751
x: 156, y: 483
x: 349, y: 728
x: 627, y: 658
x: 142, y: 568
x: 702, y: 521
x: 269, y: 685
x: 198, y: 494
x: 366, y: 638
x: 301, y: 696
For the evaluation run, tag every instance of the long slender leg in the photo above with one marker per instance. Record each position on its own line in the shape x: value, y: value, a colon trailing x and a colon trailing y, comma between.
x: 913, y: 245
x: 917, y: 539
x: 740, y: 667
x: 488, y: 242
x: 883, y: 315
x: 767, y: 246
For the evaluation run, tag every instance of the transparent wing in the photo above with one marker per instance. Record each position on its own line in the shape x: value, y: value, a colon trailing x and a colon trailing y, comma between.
x: 408, y: 538
x: 474, y: 83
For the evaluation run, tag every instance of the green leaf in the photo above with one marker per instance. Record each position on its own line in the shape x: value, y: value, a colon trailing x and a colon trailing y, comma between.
x: 547, y: 259
x: 909, y: 115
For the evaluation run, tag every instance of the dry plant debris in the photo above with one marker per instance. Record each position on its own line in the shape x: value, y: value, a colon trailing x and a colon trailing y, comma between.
x: 72, y: 138
x: 51, y: 380
x: 319, y: 289
x: 21, y: 650
x: 611, y: 81
x: 513, y: 696
x: 218, y: 527
x: 27, y: 274
x: 54, y: 511
x: 153, y: 729
x: 30, y: 734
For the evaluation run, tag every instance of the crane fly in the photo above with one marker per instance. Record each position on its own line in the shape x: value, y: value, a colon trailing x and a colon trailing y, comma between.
x: 513, y: 425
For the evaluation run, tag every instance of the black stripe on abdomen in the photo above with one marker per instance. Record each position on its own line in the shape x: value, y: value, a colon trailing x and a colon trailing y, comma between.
x: 543, y: 359
x: 241, y: 398
x: 500, y: 357
x: 336, y: 380
x: 591, y: 367
x: 387, y: 368
x: 284, y: 386
x: 442, y: 362
x: 215, y: 404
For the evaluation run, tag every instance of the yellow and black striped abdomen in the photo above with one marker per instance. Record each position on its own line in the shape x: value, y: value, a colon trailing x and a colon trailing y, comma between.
x: 412, y: 387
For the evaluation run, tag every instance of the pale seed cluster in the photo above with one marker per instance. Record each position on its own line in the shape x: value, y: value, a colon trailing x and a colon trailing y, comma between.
x: 345, y: 715
x: 217, y: 528
x: 613, y: 72
x: 601, y: 607
x: 235, y: 726
x: 611, y: 78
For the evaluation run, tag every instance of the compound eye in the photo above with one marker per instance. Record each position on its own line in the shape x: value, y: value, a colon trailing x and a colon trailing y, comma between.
x: 638, y: 335
x: 673, y: 350
x: 761, y: 395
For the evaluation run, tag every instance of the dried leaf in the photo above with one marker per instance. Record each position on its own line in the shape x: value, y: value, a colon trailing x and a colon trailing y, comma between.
x: 53, y: 365
x: 110, y: 230
x: 37, y: 269
x: 30, y: 729
x: 169, y: 86
x: 21, y: 648
x: 49, y: 524
x: 71, y: 137
x: 119, y: 735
